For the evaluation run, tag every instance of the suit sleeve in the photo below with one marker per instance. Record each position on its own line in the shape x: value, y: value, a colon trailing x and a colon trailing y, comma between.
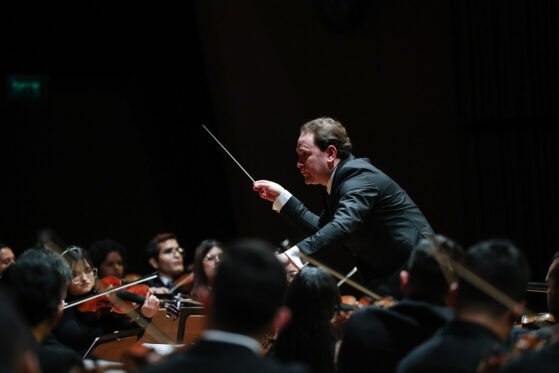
x: 300, y: 216
x: 357, y: 196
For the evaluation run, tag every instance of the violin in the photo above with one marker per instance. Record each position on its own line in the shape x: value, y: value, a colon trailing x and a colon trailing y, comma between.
x: 532, y: 341
x: 537, y: 320
x: 130, y: 277
x: 97, y: 303
x: 183, y: 283
x: 129, y: 299
x: 350, y: 303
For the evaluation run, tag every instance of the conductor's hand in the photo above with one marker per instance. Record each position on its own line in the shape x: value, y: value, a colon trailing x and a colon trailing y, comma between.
x: 267, y: 190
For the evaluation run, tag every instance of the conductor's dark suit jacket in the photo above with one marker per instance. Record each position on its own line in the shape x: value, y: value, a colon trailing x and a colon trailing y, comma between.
x: 218, y: 357
x: 366, y: 213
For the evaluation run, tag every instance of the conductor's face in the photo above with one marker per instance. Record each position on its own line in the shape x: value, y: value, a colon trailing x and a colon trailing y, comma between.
x: 312, y: 162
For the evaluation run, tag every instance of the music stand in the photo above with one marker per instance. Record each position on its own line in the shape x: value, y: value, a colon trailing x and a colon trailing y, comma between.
x: 118, y: 340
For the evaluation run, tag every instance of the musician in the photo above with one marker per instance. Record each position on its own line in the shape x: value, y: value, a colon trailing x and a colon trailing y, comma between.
x: 16, y: 354
x: 206, y: 260
x: 481, y: 323
x: 165, y: 255
x: 245, y: 304
x: 78, y: 329
x: 541, y: 353
x: 385, y: 336
x: 38, y: 288
x: 309, y: 337
x: 366, y: 215
x: 109, y: 257
x: 7, y: 257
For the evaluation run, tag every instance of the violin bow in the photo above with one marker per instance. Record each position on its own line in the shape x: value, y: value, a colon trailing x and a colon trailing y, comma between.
x: 339, y: 276
x: 449, y: 266
x: 139, y: 281
x: 137, y: 317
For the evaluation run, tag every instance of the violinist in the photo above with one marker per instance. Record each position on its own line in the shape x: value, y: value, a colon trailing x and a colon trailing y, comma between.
x: 7, y: 257
x: 481, y: 323
x: 539, y: 350
x: 38, y: 285
x: 166, y: 256
x: 109, y: 257
x: 245, y: 303
x: 78, y: 329
x: 386, y: 335
x: 309, y: 337
x: 206, y: 260
x: 16, y: 354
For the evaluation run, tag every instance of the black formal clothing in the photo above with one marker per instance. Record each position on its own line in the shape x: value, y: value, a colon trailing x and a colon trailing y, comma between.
x: 55, y: 357
x: 159, y: 283
x: 217, y: 357
x: 78, y: 330
x: 541, y: 361
x: 384, y: 336
x: 458, y: 347
x: 368, y: 214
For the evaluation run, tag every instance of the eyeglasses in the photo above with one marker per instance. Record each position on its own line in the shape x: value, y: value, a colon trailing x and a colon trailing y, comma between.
x: 76, y: 277
x: 171, y: 250
x: 213, y: 258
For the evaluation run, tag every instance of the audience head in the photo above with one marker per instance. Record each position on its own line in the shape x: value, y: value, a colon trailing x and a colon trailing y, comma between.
x: 108, y: 257
x: 249, y: 288
x: 165, y: 254
x: 502, y: 265
x: 83, y: 272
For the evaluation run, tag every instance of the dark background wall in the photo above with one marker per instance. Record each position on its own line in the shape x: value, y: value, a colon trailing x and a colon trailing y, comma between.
x: 456, y: 100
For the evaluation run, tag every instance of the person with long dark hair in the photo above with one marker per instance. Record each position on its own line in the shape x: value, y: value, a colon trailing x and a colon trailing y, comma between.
x: 312, y: 298
x: 206, y: 260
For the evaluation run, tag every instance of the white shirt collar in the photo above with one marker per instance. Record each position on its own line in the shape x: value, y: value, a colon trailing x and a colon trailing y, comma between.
x: 329, y: 185
x: 165, y: 279
x: 233, y: 338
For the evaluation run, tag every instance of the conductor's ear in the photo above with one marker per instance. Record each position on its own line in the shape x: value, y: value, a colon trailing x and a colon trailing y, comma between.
x: 332, y: 152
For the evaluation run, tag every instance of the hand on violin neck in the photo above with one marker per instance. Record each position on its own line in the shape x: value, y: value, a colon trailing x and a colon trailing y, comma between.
x: 150, y: 306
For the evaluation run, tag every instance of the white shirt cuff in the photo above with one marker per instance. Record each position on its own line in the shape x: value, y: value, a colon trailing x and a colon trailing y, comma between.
x: 294, y: 258
x: 281, y: 200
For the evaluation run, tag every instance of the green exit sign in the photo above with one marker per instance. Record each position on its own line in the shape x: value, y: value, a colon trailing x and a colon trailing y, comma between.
x: 25, y: 87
